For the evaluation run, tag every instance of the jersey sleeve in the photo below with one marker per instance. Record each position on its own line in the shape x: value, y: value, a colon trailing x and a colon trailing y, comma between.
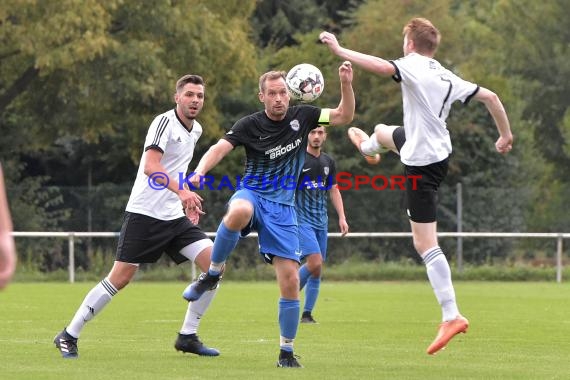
x: 402, y: 67
x: 397, y: 76
x: 237, y: 134
x: 313, y: 117
x: 158, y: 134
x: 405, y: 69
x: 463, y: 90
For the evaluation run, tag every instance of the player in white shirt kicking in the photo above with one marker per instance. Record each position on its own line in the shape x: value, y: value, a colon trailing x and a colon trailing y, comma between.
x: 155, y: 220
x: 424, y: 146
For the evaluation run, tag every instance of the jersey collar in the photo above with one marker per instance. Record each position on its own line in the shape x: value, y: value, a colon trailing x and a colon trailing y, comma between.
x: 189, y: 129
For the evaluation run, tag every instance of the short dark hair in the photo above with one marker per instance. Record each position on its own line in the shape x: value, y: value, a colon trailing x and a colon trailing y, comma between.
x: 189, y: 78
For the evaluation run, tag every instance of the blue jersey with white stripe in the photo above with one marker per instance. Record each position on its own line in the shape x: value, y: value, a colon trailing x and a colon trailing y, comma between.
x: 316, y: 179
x: 275, y: 150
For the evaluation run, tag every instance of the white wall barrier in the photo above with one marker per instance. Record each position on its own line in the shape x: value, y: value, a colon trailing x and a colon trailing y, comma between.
x: 70, y: 236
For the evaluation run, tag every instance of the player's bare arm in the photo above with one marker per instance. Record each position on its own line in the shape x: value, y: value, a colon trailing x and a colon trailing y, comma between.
x: 210, y: 159
x: 193, y: 213
x: 504, y: 143
x: 189, y: 199
x: 344, y: 113
x: 367, y: 62
x: 336, y: 200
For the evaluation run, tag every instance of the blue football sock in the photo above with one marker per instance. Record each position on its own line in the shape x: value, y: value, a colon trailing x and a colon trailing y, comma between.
x: 224, y: 243
x: 303, y: 275
x: 312, y: 292
x: 288, y: 320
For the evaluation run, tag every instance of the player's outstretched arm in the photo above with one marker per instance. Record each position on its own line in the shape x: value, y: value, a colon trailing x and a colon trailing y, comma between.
x: 344, y: 113
x: 504, y: 143
x: 367, y: 62
x: 154, y: 169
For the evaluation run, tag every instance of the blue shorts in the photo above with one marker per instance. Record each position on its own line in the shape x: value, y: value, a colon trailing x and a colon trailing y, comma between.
x: 312, y: 240
x: 276, y: 226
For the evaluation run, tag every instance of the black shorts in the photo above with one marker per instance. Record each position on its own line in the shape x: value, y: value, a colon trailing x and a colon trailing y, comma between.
x: 399, y: 137
x: 144, y: 239
x: 421, y: 193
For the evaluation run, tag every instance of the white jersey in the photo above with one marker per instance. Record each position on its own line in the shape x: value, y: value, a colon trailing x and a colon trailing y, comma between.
x: 428, y: 90
x: 168, y: 135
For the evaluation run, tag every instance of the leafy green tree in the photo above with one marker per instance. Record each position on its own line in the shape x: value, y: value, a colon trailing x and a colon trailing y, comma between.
x: 91, y: 76
x: 277, y: 23
x: 81, y: 82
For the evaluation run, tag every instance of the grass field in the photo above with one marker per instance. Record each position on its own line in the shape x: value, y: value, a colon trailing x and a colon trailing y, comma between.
x: 366, y: 330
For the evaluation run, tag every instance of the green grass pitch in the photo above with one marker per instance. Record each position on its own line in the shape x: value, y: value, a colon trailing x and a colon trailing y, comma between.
x: 366, y: 330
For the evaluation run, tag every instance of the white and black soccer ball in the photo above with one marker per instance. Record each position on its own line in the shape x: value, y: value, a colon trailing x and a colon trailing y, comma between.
x: 305, y: 82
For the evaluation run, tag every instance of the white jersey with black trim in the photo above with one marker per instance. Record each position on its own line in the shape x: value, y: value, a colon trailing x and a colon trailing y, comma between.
x: 168, y: 135
x: 428, y: 90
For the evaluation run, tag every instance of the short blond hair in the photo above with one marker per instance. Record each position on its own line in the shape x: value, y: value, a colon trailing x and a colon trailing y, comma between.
x: 270, y: 75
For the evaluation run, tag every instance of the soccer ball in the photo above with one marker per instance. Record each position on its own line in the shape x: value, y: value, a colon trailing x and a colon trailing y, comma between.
x: 305, y: 82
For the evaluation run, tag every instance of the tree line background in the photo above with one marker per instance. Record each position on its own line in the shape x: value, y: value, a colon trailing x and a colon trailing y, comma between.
x: 80, y: 83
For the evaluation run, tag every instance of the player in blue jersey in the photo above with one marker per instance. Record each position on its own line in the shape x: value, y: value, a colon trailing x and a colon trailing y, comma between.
x: 275, y: 140
x: 317, y: 181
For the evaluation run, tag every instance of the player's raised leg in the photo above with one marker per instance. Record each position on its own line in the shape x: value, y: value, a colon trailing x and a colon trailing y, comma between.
x: 382, y: 140
x: 386, y: 136
x: 238, y: 216
x: 358, y: 137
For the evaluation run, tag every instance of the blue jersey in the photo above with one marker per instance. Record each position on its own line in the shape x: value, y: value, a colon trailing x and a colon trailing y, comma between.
x: 275, y: 150
x: 316, y: 179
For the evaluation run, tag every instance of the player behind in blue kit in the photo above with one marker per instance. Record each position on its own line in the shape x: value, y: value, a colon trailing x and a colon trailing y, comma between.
x: 316, y: 183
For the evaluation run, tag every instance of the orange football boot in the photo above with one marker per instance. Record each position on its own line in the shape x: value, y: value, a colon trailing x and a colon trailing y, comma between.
x: 357, y: 136
x: 446, y: 331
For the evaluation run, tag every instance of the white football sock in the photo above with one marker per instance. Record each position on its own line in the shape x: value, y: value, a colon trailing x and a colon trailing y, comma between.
x: 216, y: 267
x: 93, y: 303
x: 371, y: 146
x: 286, y: 343
x: 195, y: 311
x: 439, y: 275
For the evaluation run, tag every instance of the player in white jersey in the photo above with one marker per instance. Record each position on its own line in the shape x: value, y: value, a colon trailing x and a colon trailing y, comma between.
x: 161, y: 217
x: 423, y: 143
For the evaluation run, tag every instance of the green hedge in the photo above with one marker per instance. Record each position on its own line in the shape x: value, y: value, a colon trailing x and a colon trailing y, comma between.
x: 347, y: 271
